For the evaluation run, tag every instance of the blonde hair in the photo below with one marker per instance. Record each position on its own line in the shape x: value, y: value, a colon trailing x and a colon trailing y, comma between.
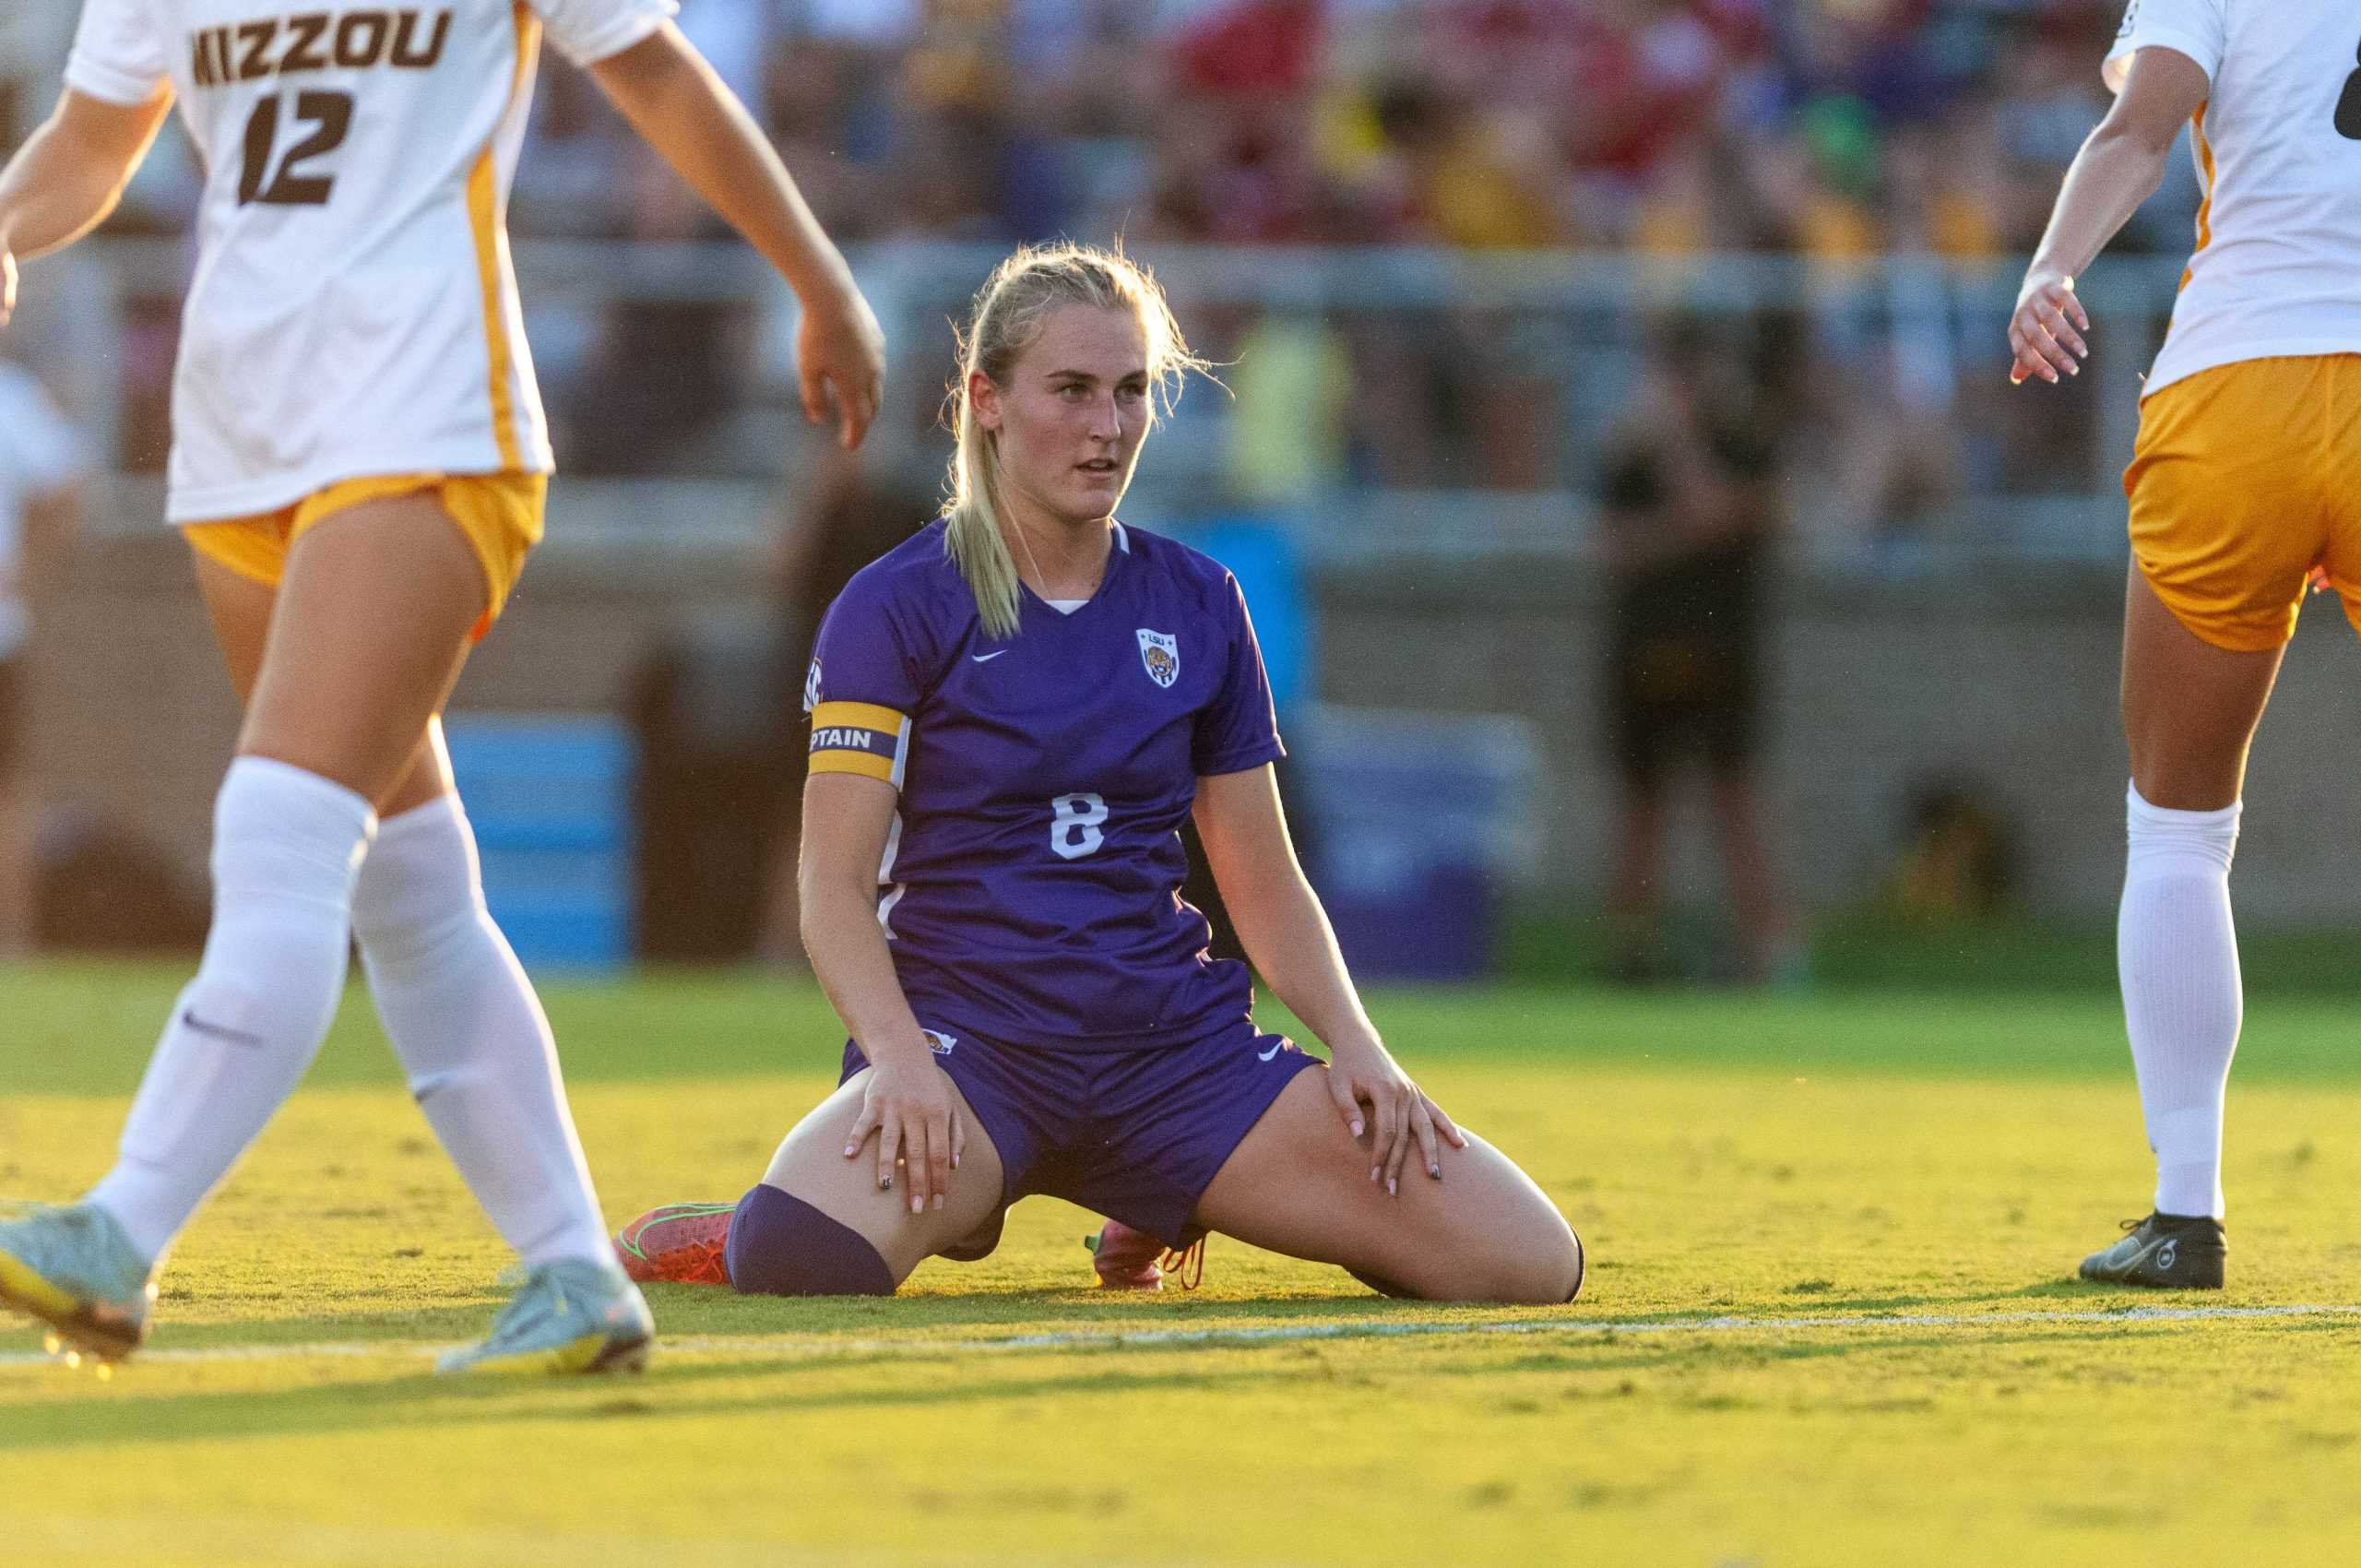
x: 1010, y: 310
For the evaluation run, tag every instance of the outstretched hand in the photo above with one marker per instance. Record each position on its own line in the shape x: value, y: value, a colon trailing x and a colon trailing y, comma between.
x: 1378, y: 1103
x: 2045, y: 330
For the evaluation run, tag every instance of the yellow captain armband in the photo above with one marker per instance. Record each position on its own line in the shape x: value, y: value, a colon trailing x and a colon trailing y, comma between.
x: 859, y: 737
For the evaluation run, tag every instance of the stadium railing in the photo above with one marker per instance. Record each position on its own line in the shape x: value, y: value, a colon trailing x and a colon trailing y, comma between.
x: 1906, y: 359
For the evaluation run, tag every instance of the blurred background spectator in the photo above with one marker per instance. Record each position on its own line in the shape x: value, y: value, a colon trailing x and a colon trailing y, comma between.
x: 43, y: 461
x: 1833, y: 131
x: 1690, y: 514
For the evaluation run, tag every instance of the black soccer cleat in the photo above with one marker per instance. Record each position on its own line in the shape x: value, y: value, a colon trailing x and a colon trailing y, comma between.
x: 2164, y: 1252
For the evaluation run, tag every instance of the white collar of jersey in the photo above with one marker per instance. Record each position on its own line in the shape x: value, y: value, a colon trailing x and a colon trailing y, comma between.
x: 1123, y: 539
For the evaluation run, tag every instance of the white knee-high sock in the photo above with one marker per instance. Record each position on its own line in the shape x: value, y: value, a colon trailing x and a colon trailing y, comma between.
x: 472, y: 1035
x: 286, y: 846
x: 2177, y: 956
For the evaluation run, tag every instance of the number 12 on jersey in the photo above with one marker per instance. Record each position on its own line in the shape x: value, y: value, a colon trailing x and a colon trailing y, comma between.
x: 329, y: 114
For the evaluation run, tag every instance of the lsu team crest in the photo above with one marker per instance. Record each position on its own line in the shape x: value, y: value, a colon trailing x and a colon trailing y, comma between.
x: 1160, y: 651
x: 812, y: 688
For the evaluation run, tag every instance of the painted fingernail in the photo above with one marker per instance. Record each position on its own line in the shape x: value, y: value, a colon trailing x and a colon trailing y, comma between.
x: 884, y: 1183
x: 1356, y: 1129
x: 938, y: 1202
x: 918, y: 1204
x: 851, y: 1149
x: 1435, y: 1171
x: 1389, y: 1188
x: 1373, y: 1171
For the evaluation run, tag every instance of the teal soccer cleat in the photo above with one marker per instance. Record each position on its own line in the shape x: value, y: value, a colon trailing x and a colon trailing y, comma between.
x: 574, y: 1316
x: 75, y: 1270
x: 2164, y: 1252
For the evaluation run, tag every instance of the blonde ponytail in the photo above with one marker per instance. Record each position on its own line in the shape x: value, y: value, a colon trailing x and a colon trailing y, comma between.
x: 1010, y: 310
x: 971, y: 533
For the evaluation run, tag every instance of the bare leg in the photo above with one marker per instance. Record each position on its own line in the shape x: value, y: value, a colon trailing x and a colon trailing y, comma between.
x: 1299, y: 1185
x: 239, y: 609
x: 2189, y: 709
x: 368, y: 635
x: 810, y: 1165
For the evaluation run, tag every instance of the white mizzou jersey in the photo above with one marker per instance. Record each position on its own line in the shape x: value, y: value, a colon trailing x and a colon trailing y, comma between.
x: 353, y: 311
x: 2277, y: 271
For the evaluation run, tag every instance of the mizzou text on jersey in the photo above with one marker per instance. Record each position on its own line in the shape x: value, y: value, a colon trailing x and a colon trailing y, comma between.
x: 353, y: 312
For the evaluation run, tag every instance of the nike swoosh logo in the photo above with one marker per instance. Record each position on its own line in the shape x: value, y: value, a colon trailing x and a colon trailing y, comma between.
x: 986, y: 657
x: 1267, y: 1055
x: 235, y: 1036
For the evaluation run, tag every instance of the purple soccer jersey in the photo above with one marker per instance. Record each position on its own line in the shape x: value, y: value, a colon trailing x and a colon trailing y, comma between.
x: 1030, y: 889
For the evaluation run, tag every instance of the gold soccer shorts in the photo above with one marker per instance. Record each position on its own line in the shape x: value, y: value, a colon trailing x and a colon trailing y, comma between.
x: 499, y: 514
x: 2245, y: 479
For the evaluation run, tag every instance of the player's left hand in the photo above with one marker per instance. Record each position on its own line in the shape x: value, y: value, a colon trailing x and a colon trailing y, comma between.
x: 1378, y: 1101
x: 2045, y: 330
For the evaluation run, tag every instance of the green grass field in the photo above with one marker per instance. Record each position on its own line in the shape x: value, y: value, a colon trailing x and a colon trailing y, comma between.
x: 1829, y: 1319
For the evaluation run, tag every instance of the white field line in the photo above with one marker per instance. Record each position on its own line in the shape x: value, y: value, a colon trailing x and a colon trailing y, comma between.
x: 821, y: 1346
x: 174, y: 1537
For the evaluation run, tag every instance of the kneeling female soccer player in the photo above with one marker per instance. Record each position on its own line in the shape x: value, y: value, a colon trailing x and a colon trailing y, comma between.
x: 1011, y: 714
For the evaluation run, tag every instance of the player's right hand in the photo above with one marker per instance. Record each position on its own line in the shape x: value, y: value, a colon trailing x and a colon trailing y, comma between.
x: 2045, y: 331
x: 912, y: 1109
x: 840, y: 357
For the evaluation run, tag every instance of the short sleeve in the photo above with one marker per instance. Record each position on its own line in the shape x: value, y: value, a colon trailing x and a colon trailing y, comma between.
x: 863, y: 684
x: 586, y: 32
x: 2199, y: 29
x: 1237, y: 729
x: 118, y: 53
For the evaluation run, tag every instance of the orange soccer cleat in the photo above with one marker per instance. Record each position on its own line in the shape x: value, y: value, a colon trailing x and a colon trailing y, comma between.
x: 1134, y: 1260
x: 678, y: 1244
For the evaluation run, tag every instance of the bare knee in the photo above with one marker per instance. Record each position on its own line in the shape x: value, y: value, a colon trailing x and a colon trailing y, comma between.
x: 1534, y: 1260
x: 1546, y: 1270
x: 2186, y: 766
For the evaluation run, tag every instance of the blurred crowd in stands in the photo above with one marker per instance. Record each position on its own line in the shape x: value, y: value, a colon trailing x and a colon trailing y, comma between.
x: 1830, y: 130
x: 1854, y: 429
x: 1827, y: 126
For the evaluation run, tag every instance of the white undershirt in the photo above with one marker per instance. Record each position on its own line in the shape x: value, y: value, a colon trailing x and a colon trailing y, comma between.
x: 1065, y: 606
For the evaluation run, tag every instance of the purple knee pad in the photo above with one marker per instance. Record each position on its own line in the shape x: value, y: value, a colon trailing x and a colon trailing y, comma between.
x: 779, y: 1245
